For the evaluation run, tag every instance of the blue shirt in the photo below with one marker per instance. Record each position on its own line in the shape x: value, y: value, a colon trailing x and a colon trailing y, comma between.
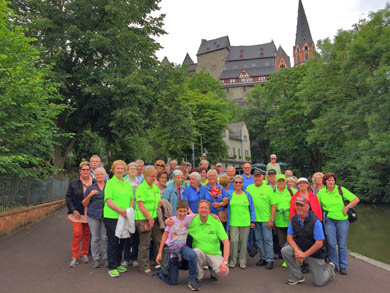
x: 204, y: 194
x: 247, y: 181
x: 171, y: 195
x: 231, y: 187
x: 318, y: 232
x: 96, y: 203
x: 192, y: 196
x: 140, y: 178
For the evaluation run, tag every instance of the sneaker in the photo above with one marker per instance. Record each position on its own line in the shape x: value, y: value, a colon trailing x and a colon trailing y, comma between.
x: 96, y: 264
x: 206, y: 267
x: 332, y: 270
x: 269, y: 265
x: 305, y: 268
x: 158, y: 268
x: 194, y: 286
x: 113, y: 273
x: 121, y: 269
x: 343, y: 271
x: 125, y: 263
x: 135, y: 263
x: 231, y: 265
x: 73, y: 262
x: 242, y: 266
x: 106, y: 263
x: 84, y: 258
x: 213, y: 275
x: 200, y: 282
x: 261, y: 263
x: 294, y: 282
x: 284, y: 264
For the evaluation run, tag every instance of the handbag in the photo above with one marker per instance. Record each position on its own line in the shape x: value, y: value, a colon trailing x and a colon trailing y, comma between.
x: 252, y: 249
x: 144, y: 225
x: 352, y: 214
x: 222, y: 215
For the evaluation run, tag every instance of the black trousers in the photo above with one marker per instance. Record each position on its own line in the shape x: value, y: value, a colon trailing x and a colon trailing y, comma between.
x: 114, y: 247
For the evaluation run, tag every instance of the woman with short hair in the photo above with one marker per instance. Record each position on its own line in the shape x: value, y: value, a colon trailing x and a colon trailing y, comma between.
x: 273, y: 165
x: 241, y: 217
x: 162, y: 179
x: 192, y: 192
x: 317, y: 182
x: 148, y: 199
x: 336, y: 220
x: 174, y: 191
x: 203, y: 175
x: 76, y: 213
x: 214, y: 193
x: 118, y: 197
x: 94, y: 202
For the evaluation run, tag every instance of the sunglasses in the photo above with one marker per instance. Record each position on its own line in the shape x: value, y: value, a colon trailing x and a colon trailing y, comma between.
x: 160, y: 165
x: 237, y: 182
x: 85, y: 169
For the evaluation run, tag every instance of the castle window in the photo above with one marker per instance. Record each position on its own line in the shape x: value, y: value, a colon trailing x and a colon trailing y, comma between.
x: 241, y: 56
x: 299, y: 59
x: 261, y: 54
x: 253, y: 64
x: 241, y: 50
x: 218, y: 46
x: 306, y: 49
x: 266, y: 63
x: 245, y: 138
x: 207, y: 49
x: 261, y: 49
x: 306, y: 56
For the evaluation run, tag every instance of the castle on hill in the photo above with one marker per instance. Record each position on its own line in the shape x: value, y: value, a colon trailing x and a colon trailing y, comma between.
x: 240, y: 68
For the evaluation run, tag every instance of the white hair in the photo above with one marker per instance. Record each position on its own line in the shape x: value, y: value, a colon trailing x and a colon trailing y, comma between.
x: 212, y: 171
x: 101, y: 169
x: 132, y: 164
x: 196, y: 175
x: 177, y: 173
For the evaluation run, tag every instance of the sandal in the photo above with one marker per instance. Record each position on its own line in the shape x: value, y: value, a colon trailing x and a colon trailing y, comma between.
x: 148, y: 272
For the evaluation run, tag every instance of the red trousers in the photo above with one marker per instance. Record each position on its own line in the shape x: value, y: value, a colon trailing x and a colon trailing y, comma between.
x: 81, y: 235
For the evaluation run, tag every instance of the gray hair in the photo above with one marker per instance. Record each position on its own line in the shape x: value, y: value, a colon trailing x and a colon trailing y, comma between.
x: 94, y: 156
x: 132, y: 164
x: 173, y: 161
x: 101, y: 169
x: 204, y: 161
x: 212, y: 171
x: 139, y: 161
x: 177, y: 173
x: 239, y: 177
x: 196, y: 175
x: 273, y: 155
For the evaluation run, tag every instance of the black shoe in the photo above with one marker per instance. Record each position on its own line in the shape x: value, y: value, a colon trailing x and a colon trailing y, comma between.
x: 343, y: 271
x: 194, y: 286
x: 213, y: 276
x: 261, y: 263
x: 200, y: 282
x: 305, y: 268
x: 269, y: 265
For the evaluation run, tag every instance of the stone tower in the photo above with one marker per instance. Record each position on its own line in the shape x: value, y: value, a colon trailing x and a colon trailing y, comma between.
x: 304, y: 45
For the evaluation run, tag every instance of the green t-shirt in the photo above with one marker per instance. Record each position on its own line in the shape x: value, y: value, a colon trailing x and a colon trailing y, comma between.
x: 120, y: 193
x: 203, y: 184
x: 282, y: 201
x: 276, y: 168
x: 206, y: 236
x: 262, y: 199
x: 150, y: 197
x: 239, y: 210
x: 333, y: 202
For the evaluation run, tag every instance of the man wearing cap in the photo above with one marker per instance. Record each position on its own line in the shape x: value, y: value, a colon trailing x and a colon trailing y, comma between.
x: 219, y: 169
x: 280, y: 211
x: 271, y: 178
x: 262, y: 199
x: 248, y: 178
x: 305, y: 238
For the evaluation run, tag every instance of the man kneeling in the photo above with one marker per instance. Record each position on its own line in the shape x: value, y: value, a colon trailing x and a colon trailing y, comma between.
x: 207, y: 232
x: 173, y: 247
x: 305, y: 238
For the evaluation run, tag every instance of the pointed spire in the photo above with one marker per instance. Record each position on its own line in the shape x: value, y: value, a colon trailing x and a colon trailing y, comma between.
x: 303, y: 31
x: 188, y: 60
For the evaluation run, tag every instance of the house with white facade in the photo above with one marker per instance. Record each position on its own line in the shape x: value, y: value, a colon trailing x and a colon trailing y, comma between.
x: 237, y: 140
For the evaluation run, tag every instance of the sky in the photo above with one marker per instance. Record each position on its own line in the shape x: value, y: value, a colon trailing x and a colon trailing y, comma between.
x: 252, y: 22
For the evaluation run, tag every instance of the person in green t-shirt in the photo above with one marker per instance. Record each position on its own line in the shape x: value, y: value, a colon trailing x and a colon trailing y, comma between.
x: 118, y: 196
x: 241, y: 217
x: 280, y: 210
x: 336, y: 220
x: 273, y: 165
x: 262, y: 198
x: 207, y: 233
x: 148, y: 200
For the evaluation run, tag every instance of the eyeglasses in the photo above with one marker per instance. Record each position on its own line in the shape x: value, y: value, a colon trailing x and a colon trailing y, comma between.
x: 85, y: 169
x: 273, y: 158
x: 160, y: 165
x: 237, y: 182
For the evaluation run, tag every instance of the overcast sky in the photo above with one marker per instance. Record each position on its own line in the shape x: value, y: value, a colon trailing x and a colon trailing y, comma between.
x: 252, y: 22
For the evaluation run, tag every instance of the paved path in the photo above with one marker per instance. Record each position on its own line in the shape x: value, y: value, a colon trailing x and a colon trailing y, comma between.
x: 36, y: 260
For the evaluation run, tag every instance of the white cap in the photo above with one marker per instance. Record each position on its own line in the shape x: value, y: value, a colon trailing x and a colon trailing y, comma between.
x: 302, y: 179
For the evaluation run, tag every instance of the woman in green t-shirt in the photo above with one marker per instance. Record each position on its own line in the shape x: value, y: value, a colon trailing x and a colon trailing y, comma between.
x: 118, y: 197
x: 241, y: 217
x: 336, y: 220
x: 148, y: 198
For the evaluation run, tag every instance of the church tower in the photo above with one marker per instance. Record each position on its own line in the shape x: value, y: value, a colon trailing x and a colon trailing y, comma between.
x: 304, y: 45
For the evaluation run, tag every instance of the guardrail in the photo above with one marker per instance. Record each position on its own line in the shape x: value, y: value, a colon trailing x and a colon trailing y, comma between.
x: 27, y: 191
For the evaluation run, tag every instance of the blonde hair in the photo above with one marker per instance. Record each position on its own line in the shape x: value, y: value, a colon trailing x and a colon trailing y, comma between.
x: 224, y: 181
x: 82, y: 164
x: 118, y: 162
x: 314, y: 177
x: 161, y: 162
x: 148, y: 170
x: 292, y: 178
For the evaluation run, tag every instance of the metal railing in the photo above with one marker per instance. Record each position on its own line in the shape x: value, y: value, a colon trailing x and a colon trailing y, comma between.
x: 27, y: 191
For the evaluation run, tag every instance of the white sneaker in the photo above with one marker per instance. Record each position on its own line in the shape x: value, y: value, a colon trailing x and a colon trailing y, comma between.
x: 125, y: 264
x: 84, y: 258
x: 73, y: 262
x: 135, y: 263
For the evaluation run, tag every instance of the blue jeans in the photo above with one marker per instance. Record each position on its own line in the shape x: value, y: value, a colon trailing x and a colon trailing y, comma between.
x: 173, y: 273
x: 337, y: 234
x: 263, y: 241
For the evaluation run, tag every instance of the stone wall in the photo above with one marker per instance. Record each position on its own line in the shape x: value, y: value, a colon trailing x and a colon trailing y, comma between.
x: 214, y: 63
x: 11, y: 221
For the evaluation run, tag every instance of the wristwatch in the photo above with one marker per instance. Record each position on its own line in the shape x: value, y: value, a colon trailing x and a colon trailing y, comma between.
x: 225, y: 262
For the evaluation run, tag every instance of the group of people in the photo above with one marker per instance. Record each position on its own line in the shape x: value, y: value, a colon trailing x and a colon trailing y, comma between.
x: 202, y: 218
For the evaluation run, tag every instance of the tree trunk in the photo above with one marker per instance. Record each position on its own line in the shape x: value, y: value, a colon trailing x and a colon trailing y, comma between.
x: 60, y: 154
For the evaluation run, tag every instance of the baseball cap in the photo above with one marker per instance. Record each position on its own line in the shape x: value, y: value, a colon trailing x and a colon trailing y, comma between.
x: 272, y: 171
x: 218, y: 164
x: 303, y: 179
x: 280, y: 176
x: 257, y: 172
x: 301, y: 200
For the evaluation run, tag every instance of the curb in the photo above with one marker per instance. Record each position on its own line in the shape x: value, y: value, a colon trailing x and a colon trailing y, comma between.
x: 371, y: 261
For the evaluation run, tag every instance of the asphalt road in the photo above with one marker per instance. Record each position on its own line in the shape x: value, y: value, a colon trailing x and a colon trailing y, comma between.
x: 36, y: 260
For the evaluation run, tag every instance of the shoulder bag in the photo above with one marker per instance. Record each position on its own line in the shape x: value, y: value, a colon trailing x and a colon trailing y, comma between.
x: 352, y: 214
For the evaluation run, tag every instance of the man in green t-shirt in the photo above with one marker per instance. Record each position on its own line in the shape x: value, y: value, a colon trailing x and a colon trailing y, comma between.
x: 262, y: 199
x: 207, y: 233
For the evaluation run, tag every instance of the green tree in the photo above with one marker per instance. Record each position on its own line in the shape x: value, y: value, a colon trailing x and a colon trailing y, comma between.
x: 27, y: 111
x: 103, y: 56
